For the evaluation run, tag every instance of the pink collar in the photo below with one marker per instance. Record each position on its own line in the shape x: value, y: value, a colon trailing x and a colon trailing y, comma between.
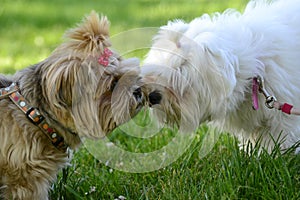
x: 255, y: 88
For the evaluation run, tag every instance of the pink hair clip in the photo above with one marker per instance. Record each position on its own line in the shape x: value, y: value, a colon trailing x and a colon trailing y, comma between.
x: 104, y: 57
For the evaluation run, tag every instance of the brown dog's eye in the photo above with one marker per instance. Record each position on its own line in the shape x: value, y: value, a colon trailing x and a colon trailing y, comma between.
x: 113, y: 84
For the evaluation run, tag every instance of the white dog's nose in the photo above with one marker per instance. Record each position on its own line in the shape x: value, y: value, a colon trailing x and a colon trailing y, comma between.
x: 154, y: 98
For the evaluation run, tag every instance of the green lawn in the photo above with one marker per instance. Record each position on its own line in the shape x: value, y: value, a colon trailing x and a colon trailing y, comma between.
x: 31, y: 29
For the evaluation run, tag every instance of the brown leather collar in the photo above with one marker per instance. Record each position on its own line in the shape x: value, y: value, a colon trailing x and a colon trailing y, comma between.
x: 34, y: 116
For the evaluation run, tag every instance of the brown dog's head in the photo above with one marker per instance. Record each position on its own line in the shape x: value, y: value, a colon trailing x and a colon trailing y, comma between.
x: 88, y: 86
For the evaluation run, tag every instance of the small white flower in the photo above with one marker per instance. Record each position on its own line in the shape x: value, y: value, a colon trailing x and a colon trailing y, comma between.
x: 92, y: 189
x: 120, y: 198
x: 110, y: 144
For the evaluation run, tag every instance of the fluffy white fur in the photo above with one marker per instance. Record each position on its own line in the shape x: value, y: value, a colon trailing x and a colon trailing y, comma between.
x: 204, y: 70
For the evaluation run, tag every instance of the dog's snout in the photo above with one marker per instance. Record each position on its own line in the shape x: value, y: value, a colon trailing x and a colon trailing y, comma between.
x: 138, y: 94
x: 154, y: 98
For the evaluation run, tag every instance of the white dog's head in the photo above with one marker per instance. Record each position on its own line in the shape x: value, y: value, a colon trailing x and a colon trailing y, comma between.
x: 185, y: 78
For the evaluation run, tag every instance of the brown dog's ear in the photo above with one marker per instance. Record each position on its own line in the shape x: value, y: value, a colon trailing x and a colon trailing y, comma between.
x: 89, y: 37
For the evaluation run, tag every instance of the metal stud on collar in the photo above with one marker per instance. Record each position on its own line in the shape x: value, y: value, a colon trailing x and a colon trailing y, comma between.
x: 270, y: 99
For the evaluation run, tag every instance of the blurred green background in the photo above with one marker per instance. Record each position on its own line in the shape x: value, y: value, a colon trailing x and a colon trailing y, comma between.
x: 31, y: 29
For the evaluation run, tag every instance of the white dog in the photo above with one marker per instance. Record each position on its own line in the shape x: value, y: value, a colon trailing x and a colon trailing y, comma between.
x: 211, y: 69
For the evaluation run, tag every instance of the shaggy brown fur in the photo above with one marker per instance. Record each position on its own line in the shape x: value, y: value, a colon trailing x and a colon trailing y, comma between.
x: 76, y: 95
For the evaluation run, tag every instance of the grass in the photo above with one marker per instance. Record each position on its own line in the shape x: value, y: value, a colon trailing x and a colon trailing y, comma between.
x: 226, y: 173
x: 30, y: 30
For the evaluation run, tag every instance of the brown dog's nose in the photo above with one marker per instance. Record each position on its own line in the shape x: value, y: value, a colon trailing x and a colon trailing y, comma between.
x: 154, y: 98
x: 138, y: 94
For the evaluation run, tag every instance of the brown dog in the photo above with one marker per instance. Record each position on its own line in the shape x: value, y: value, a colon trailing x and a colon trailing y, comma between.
x: 48, y: 107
